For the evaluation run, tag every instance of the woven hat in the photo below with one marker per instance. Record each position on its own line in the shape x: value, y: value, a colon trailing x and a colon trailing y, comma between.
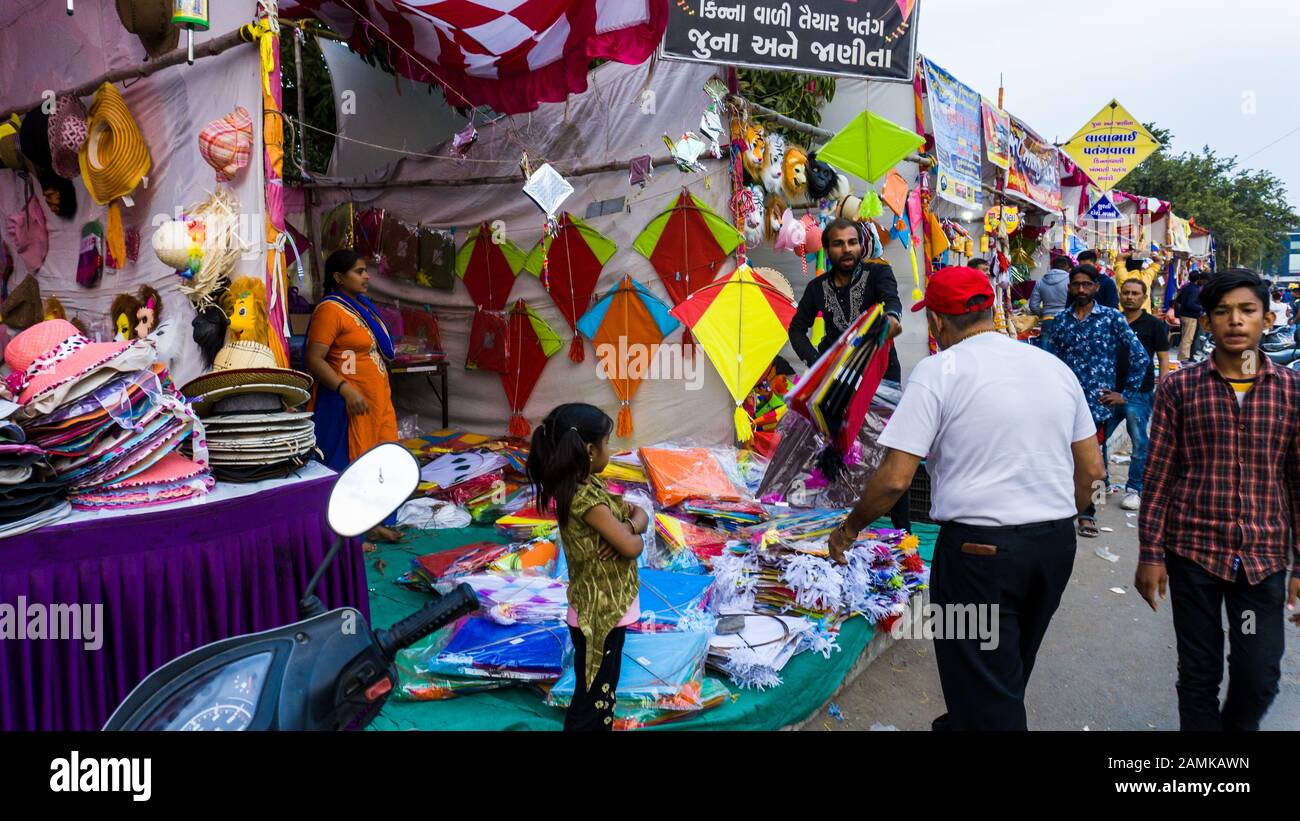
x: 114, y: 157
x: 53, y: 353
x: 67, y: 134
x: 151, y: 21
x: 245, y: 367
x: 227, y: 144
x: 23, y: 308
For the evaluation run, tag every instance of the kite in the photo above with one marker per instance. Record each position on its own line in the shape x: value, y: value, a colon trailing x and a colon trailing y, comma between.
x: 687, y: 243
x: 488, y: 264
x: 869, y: 146
x: 742, y: 321
x: 531, y: 342
x: 576, y: 253
x: 836, y: 392
x: 625, y: 325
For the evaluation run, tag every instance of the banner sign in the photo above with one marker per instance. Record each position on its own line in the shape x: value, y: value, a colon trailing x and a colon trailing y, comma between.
x: 867, y: 38
x: 1110, y: 145
x: 1035, y: 173
x: 1103, y: 210
x: 997, y: 135
x: 955, y: 117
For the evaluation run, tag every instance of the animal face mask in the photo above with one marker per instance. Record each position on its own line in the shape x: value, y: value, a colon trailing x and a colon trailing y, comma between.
x: 754, y: 219
x: 773, y: 170
x: 795, y: 173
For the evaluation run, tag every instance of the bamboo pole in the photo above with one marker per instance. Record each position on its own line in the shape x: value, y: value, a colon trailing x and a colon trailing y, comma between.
x: 207, y: 49
x: 308, y: 211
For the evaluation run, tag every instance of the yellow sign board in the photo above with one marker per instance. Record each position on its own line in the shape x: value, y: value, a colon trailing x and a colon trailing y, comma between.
x: 1110, y: 145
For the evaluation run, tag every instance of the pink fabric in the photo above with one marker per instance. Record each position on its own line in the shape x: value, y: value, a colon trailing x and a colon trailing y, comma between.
x: 29, y: 235
x: 507, y: 54
x: 632, y: 615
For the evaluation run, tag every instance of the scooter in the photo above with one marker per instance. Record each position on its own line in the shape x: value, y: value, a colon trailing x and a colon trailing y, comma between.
x: 328, y: 671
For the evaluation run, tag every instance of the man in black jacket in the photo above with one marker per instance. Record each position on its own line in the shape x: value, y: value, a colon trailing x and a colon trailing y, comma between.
x: 850, y: 286
x: 1187, y: 307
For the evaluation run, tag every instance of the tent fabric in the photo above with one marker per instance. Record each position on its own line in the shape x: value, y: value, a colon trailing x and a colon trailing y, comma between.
x: 605, y: 125
x: 569, y: 265
x: 507, y: 54
x: 170, y: 108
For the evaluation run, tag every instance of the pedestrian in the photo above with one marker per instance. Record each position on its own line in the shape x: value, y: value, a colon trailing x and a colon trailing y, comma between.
x: 1187, y: 307
x: 1220, y: 509
x: 850, y: 286
x: 1088, y: 338
x: 601, y: 536
x: 1005, y: 511
x: 1107, y: 291
x: 1051, y: 296
x: 1280, y: 310
x: 1154, y: 336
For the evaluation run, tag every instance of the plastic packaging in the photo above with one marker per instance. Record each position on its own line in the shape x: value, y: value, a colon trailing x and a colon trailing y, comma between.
x: 520, y: 599
x: 674, y: 601
x: 680, y: 473
x: 686, y: 547
x: 792, y: 474
x: 416, y: 683
x: 713, y: 693
x: 446, y: 565
x: 660, y: 671
x: 408, y: 427
x: 432, y: 514
x: 524, y: 652
x: 755, y: 656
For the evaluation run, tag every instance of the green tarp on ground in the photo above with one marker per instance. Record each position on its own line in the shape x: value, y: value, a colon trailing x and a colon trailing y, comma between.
x: 809, y: 679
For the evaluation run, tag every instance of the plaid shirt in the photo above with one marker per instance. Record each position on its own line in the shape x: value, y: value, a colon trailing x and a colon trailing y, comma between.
x: 1222, y: 483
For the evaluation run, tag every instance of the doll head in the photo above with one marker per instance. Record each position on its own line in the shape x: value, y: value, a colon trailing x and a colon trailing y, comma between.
x: 150, y: 312
x: 122, y: 313
x: 245, y: 304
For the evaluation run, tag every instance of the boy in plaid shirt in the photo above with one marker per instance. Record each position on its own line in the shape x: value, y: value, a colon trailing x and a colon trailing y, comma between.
x: 1221, y: 509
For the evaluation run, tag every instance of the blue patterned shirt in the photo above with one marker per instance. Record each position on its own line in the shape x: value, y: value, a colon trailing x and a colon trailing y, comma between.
x: 1090, y: 347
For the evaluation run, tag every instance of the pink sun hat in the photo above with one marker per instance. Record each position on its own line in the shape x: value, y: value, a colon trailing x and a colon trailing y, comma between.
x: 51, y: 354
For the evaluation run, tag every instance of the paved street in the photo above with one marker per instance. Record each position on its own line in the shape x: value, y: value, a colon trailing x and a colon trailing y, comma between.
x: 1108, y: 662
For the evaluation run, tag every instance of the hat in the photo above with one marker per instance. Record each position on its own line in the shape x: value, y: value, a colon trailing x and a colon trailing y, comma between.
x: 67, y: 134
x: 114, y: 157
x: 226, y: 144
x: 9, y: 157
x: 849, y: 207
x: 246, y: 367
x: 950, y: 289
x: 53, y: 353
x: 34, y: 143
x: 23, y: 308
x: 30, y: 237
x: 151, y: 21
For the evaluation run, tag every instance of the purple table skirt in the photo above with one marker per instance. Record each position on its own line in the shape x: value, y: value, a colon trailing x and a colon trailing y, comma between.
x: 169, y: 581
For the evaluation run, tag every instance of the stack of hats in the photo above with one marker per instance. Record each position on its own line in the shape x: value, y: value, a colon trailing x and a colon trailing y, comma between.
x: 247, y: 405
x: 106, y: 415
x: 30, y: 494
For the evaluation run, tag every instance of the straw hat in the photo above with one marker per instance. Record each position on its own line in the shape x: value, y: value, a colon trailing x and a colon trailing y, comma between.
x: 115, y: 157
x: 151, y: 21
x: 245, y: 367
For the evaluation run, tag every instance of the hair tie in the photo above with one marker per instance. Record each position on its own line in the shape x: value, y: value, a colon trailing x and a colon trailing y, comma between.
x: 574, y: 429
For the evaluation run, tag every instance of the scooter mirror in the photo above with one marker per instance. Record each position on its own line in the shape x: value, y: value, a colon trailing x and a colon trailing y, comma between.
x: 372, y: 487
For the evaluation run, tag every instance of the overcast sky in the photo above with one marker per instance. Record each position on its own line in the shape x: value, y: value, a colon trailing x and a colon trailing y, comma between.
x: 1195, y: 67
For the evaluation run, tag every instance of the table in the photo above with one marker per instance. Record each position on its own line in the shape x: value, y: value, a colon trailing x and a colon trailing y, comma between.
x: 429, y: 369
x: 167, y: 580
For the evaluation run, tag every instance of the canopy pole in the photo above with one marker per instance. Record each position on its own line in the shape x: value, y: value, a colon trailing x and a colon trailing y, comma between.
x: 207, y: 49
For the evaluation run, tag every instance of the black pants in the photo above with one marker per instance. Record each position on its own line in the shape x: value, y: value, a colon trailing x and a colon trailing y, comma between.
x: 592, y: 708
x: 1255, y: 644
x: 900, y: 515
x: 1022, y: 571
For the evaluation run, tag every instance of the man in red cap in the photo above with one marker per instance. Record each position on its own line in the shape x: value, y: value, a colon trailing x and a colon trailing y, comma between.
x: 1012, y: 454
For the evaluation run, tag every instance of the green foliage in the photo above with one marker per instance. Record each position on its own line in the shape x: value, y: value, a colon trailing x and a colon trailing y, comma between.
x: 797, y: 96
x: 1247, y: 210
x: 319, y: 102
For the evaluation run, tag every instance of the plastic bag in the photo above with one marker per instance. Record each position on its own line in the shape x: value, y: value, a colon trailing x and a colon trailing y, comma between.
x: 680, y: 473
x: 686, y: 548
x: 520, y: 599
x: 674, y: 601
x: 792, y: 477
x: 430, y: 569
x: 661, y: 671
x: 524, y: 652
x: 408, y: 427
x: 416, y: 683
x: 713, y: 693
x: 432, y: 514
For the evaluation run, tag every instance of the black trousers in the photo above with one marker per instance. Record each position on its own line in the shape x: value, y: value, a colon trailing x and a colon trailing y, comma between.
x: 1018, y: 573
x: 592, y: 708
x: 1255, y: 644
x: 900, y: 515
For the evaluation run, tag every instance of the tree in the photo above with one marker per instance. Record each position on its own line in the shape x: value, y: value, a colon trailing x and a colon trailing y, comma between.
x: 1247, y: 210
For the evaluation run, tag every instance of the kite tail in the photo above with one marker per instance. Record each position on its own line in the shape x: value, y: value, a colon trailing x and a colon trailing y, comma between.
x: 519, y: 425
x: 688, y: 341
x: 744, y: 425
x: 624, y: 429
x: 575, y: 348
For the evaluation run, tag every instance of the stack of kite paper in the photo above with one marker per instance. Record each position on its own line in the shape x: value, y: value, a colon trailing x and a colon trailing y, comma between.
x: 485, y: 649
x: 680, y: 535
x: 673, y: 601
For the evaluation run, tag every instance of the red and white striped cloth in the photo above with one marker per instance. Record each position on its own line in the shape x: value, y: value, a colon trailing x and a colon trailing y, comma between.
x: 510, y: 55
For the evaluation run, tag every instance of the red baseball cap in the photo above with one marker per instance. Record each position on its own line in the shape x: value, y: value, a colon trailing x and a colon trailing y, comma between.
x: 950, y: 289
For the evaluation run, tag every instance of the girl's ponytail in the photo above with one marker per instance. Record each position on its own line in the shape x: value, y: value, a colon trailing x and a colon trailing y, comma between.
x: 557, y: 458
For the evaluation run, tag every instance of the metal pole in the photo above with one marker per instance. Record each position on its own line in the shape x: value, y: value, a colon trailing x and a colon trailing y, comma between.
x: 303, y: 169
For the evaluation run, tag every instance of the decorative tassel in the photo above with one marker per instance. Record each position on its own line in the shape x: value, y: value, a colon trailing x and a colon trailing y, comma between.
x: 831, y: 464
x: 744, y: 425
x: 115, y: 236
x: 917, y: 296
x: 575, y: 349
x: 519, y: 426
x: 624, y: 428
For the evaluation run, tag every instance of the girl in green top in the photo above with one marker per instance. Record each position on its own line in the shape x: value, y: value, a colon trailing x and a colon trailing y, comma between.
x: 601, y: 535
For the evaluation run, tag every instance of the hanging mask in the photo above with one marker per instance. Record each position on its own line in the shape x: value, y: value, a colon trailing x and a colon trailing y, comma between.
x: 795, y: 173
x: 123, y: 311
x: 755, y: 219
x: 773, y: 169
x: 755, y: 149
x: 821, y: 178
x: 776, y: 208
x: 149, y: 314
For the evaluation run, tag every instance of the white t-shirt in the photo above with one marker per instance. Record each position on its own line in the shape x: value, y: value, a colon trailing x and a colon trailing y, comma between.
x: 1281, y: 313
x: 994, y: 419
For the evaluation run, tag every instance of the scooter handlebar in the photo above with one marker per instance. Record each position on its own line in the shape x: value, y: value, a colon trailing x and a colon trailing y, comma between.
x: 436, y: 614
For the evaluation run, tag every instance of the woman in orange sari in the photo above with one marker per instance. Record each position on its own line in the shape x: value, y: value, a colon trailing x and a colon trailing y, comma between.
x: 347, y: 347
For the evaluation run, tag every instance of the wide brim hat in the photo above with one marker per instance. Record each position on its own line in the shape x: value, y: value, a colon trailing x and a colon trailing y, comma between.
x: 115, y: 156
x: 221, y: 385
x: 43, y: 337
x: 151, y: 21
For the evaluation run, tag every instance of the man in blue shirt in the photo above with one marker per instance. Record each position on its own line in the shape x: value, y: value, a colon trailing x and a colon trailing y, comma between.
x: 1088, y: 338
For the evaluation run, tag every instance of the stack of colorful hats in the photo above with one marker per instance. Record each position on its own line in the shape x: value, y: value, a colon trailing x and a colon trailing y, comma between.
x: 30, y: 494
x: 247, y: 405
x: 106, y: 414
